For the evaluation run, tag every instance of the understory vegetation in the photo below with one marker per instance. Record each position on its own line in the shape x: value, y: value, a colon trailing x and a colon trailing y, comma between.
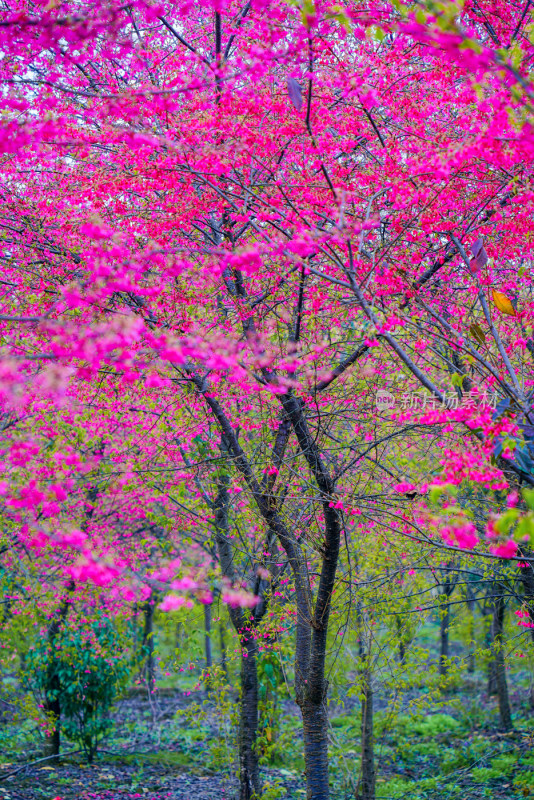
x: 437, y: 729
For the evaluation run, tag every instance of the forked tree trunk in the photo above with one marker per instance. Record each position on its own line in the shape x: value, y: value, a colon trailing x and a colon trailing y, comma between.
x: 312, y: 619
x: 249, y: 771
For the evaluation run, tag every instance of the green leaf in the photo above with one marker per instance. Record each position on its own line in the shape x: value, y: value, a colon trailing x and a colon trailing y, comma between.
x: 525, y: 528
x: 528, y: 495
x: 477, y: 333
x: 507, y: 520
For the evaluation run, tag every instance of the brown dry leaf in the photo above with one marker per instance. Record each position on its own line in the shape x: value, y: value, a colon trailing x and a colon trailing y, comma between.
x: 503, y: 303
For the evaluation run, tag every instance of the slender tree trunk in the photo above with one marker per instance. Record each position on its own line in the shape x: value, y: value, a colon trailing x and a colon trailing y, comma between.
x: 135, y: 631
x: 207, y: 636
x: 505, y: 712
x: 52, y: 742
x: 52, y: 705
x: 249, y: 772
x: 224, y: 665
x: 402, y: 646
x: 365, y: 789
x: 368, y: 779
x: 471, y: 631
x: 178, y: 635
x: 492, y: 678
x: 148, y: 644
x: 488, y: 636
x: 444, y: 621
x: 527, y: 578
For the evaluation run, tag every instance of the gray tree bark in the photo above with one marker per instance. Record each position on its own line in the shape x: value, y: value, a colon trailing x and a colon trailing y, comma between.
x: 505, y: 713
x: 367, y: 787
x: 52, y: 705
x: 207, y: 636
x: 148, y: 644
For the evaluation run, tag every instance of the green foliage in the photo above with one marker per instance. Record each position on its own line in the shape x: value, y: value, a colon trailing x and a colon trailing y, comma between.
x: 84, y: 667
x: 435, y: 724
x: 221, y: 710
x: 273, y: 790
x: 483, y: 774
x: 271, y: 742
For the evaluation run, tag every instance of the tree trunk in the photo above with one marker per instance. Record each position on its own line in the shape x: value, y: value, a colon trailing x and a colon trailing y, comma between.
x: 505, y: 713
x: 52, y: 703
x: 527, y: 578
x: 471, y: 631
x: 207, y: 636
x: 471, y: 663
x: 224, y: 665
x: 312, y: 620
x: 402, y: 652
x: 444, y: 621
x: 368, y: 774
x: 249, y: 772
x: 492, y: 678
x: 488, y: 638
x: 52, y: 741
x: 148, y: 644
x: 315, y: 728
x: 400, y: 637
x: 178, y: 635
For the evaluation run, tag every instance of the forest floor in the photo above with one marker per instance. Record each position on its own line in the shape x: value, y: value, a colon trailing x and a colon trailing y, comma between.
x: 155, y: 756
x: 180, y: 747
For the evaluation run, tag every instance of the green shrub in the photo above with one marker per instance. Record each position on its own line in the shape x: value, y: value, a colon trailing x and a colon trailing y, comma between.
x: 84, y: 668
